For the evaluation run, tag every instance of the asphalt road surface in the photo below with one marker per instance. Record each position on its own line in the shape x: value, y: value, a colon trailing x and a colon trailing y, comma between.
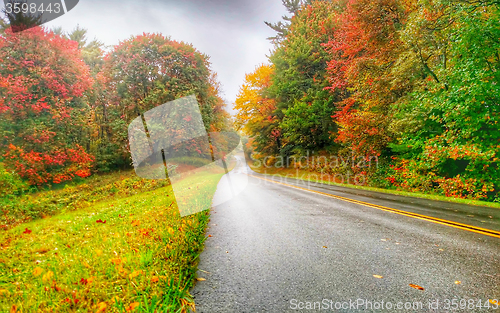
x: 276, y: 248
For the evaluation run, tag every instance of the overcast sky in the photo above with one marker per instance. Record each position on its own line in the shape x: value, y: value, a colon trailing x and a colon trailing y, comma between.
x: 231, y: 32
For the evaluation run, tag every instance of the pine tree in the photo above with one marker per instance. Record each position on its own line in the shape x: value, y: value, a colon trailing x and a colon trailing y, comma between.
x: 282, y: 27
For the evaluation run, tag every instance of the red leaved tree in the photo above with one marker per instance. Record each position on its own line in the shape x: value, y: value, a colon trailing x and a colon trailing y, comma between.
x: 43, y: 109
x: 364, y: 49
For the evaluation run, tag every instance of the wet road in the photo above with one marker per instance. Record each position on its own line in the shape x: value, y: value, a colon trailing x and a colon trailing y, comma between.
x: 275, y: 248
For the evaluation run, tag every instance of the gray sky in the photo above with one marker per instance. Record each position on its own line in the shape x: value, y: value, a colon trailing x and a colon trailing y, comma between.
x: 232, y: 33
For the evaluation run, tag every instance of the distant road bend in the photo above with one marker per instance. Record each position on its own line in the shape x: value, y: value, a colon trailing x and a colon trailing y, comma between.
x: 283, y: 246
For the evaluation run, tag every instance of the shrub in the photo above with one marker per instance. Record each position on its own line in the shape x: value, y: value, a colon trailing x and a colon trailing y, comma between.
x: 10, y: 183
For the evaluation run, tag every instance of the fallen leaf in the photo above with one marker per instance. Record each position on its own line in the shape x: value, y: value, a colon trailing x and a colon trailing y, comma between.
x: 37, y: 271
x: 209, y: 235
x: 48, y: 276
x: 13, y: 309
x: 416, y: 287
x: 84, y: 281
x: 85, y: 264
x: 325, y: 247
x: 493, y: 301
x: 200, y: 279
x: 132, y: 306
x: 27, y: 231
x: 136, y: 223
x: 101, y: 307
x: 154, y: 279
x: 457, y: 282
x: 135, y: 274
x: 100, y: 221
x: 378, y: 276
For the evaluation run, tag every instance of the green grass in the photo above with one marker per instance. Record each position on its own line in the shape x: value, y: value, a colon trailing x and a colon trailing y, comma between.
x: 313, y: 177
x: 115, y: 245
x: 32, y: 206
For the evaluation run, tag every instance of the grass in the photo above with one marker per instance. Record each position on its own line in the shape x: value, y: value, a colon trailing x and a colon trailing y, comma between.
x: 330, y: 180
x: 32, y: 206
x: 113, y: 244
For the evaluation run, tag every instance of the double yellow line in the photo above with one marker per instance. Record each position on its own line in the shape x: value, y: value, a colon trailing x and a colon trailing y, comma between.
x: 479, y: 230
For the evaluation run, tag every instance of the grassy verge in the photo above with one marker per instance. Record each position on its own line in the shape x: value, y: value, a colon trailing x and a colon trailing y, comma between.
x: 20, y: 209
x: 330, y: 180
x: 113, y: 250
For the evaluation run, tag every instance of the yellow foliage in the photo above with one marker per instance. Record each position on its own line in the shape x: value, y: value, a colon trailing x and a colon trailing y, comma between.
x: 48, y: 276
x: 37, y: 271
x: 101, y: 307
x: 253, y: 107
x: 132, y: 306
x: 135, y: 274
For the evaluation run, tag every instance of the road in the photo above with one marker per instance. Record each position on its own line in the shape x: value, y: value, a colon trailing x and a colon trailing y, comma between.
x: 276, y: 248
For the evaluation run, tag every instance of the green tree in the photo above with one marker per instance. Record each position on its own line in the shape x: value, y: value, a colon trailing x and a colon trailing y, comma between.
x: 450, y: 125
x: 304, y: 107
x: 282, y: 27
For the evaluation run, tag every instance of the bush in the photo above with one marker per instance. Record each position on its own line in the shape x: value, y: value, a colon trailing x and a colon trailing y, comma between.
x: 10, y: 183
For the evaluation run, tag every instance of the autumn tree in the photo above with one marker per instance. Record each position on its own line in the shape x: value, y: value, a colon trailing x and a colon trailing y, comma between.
x: 256, y: 112
x: 92, y: 53
x: 364, y: 51
x: 43, y: 108
x: 148, y: 70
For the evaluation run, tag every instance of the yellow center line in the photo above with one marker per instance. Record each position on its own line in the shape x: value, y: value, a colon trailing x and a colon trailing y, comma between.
x: 475, y: 229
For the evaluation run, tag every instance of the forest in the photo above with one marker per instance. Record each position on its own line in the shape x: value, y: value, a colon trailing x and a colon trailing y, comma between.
x: 411, y: 84
x: 66, y: 103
